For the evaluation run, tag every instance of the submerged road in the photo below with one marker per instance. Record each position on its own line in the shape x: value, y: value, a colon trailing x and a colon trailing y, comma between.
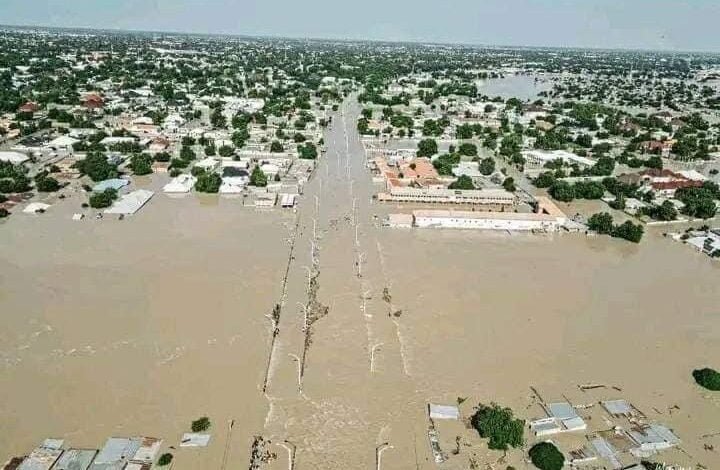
x: 337, y: 383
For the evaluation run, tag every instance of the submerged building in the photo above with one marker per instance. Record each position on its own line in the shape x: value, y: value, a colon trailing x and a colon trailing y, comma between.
x: 548, y: 217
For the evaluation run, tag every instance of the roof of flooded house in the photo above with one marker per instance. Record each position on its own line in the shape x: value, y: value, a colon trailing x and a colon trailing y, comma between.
x: 453, y: 214
x: 41, y: 458
x: 113, y: 183
x: 617, y: 407
x: 443, y: 411
x: 116, y: 452
x: 75, y: 459
x: 13, y: 157
x: 149, y: 447
x: 130, y: 203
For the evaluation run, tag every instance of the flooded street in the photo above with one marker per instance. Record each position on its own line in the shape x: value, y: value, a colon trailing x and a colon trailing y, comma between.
x: 138, y: 327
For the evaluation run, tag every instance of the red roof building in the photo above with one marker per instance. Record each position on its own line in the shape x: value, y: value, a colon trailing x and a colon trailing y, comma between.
x: 29, y: 107
x: 93, y: 101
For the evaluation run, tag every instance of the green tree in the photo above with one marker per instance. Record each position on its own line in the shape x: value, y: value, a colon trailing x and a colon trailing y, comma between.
x: 699, y: 202
x: 499, y: 426
x: 47, y: 184
x: 258, y: 178
x: 603, y: 167
x: 487, y: 166
x: 468, y: 149
x: 180, y: 163
x: 276, y: 147
x: 463, y: 182
x: 208, y: 183
x: 445, y: 163
x: 187, y: 153
x: 562, y: 191
x: 601, y: 223
x: 141, y: 164
x: 665, y: 211
x: 162, y: 157
x: 707, y: 378
x: 509, y: 184
x: 308, y: 151
x: 544, y: 180
x: 545, y: 456
x: 200, y: 424
x: 165, y: 460
x: 103, y: 199
x: 628, y: 231
x: 584, y: 140
x: 464, y: 131
x: 427, y: 148
x: 226, y: 151
x: 97, y: 167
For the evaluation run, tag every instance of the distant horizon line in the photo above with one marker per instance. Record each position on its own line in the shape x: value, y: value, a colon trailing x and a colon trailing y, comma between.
x: 355, y: 40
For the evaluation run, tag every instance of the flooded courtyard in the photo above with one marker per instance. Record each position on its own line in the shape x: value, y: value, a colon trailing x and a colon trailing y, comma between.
x: 138, y: 327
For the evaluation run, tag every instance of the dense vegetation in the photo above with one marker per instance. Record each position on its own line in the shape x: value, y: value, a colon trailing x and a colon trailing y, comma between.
x: 499, y: 426
x: 546, y: 456
x: 707, y: 378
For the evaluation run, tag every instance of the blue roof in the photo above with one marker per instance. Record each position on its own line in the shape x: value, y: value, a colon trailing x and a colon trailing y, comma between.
x: 115, y: 183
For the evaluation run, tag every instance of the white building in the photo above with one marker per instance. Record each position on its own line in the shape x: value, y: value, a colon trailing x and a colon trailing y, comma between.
x: 208, y: 164
x: 180, y: 184
x: 13, y: 157
x: 233, y: 184
x: 131, y: 202
x: 63, y: 143
x: 541, y: 157
x: 549, y: 218
x: 270, y: 169
x: 496, y: 198
x: 562, y: 418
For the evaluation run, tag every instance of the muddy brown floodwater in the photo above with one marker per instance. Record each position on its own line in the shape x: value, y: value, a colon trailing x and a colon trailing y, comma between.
x: 140, y: 326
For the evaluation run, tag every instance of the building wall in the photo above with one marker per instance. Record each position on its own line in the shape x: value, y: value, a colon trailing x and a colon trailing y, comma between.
x: 485, y: 224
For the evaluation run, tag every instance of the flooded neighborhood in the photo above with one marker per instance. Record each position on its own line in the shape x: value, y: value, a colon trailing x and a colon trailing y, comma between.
x: 316, y: 265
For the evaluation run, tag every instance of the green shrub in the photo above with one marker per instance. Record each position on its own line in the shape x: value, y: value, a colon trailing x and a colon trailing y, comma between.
x: 165, y: 459
x: 200, y: 424
x: 707, y: 378
x: 546, y: 456
x: 499, y: 426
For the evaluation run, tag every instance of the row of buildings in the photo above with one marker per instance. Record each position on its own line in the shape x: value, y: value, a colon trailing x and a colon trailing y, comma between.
x: 546, y: 218
x: 118, y: 453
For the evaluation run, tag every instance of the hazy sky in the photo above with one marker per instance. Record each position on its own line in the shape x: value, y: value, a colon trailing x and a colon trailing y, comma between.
x: 647, y: 24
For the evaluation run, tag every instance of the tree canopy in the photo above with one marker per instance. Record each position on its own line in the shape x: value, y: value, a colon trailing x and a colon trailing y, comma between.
x: 707, y: 378
x: 463, y: 182
x: 545, y: 456
x: 499, y: 426
x: 427, y: 148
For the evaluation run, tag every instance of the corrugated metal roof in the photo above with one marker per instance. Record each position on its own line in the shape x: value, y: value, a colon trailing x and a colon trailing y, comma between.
x: 617, y: 407
x: 562, y: 410
x: 191, y: 439
x: 116, y: 452
x: 76, y: 459
x: 40, y: 458
x: 444, y: 412
x: 130, y: 203
x: 114, y: 183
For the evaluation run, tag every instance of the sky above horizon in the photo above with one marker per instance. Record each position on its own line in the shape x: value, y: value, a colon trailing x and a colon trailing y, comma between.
x: 627, y: 24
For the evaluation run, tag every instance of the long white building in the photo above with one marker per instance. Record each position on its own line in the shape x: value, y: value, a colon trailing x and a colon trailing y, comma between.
x: 496, y: 198
x: 541, y: 157
x: 548, y: 218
